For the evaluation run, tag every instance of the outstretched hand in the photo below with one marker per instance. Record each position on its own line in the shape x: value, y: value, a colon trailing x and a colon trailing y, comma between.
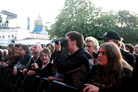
x: 90, y: 88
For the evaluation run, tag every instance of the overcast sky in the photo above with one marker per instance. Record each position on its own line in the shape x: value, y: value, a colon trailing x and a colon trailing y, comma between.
x: 108, y: 5
x: 49, y: 9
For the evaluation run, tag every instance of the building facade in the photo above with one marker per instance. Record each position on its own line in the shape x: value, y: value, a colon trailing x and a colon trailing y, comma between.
x: 25, y: 36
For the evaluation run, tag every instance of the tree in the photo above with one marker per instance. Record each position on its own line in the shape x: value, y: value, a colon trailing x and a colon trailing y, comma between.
x: 127, y: 26
x: 76, y: 15
x: 105, y: 22
x: 84, y: 17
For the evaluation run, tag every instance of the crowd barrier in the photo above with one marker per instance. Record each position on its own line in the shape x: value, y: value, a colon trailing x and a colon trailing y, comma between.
x: 20, y: 83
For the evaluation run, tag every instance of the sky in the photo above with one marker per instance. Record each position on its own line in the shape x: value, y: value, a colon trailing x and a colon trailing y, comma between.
x: 107, y: 5
x: 49, y: 9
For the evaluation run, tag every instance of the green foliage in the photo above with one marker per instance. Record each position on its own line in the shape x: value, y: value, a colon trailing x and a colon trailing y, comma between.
x: 4, y: 47
x: 127, y: 26
x: 105, y: 22
x: 84, y: 17
x: 76, y: 15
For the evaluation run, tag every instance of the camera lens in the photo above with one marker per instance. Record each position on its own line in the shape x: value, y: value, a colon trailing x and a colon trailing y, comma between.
x: 63, y: 42
x: 56, y: 41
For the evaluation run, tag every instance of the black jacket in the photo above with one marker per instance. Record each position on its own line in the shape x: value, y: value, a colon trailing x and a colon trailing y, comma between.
x: 75, y: 68
x: 130, y: 58
x: 135, y: 76
x: 45, y: 72
x: 126, y: 81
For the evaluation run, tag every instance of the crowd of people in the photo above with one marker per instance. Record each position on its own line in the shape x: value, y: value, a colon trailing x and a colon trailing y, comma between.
x: 77, y: 61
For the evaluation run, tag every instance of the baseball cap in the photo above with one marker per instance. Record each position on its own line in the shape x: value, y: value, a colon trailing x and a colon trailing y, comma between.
x: 110, y: 35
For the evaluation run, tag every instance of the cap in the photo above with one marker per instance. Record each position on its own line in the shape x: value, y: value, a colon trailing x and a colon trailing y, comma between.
x: 110, y: 35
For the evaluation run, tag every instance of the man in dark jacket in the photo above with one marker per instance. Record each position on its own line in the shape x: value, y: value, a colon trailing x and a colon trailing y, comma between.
x: 112, y: 36
x: 75, y: 67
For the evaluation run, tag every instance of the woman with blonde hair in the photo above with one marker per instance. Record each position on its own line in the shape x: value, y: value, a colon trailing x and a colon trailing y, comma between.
x: 45, y: 70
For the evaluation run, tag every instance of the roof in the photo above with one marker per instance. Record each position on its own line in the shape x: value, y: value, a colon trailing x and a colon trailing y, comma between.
x: 9, y: 14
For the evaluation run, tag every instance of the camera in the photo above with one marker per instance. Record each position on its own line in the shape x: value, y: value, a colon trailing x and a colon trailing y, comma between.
x: 95, y: 54
x: 63, y: 41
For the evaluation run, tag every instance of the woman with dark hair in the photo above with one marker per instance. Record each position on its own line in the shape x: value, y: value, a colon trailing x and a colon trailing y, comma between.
x: 11, y: 53
x: 111, y: 72
x: 9, y: 60
x: 130, y: 48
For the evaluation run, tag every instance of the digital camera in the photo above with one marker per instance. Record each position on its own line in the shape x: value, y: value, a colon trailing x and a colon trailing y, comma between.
x: 63, y: 41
